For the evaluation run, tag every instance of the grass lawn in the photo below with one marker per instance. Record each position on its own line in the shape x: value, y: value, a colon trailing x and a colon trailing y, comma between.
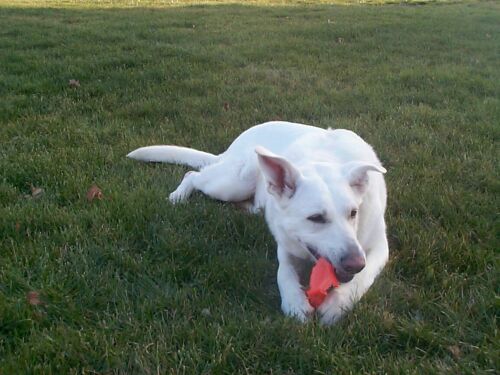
x: 130, y: 284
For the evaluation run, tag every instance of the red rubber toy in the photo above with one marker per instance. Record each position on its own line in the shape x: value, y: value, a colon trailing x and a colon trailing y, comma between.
x: 322, y: 280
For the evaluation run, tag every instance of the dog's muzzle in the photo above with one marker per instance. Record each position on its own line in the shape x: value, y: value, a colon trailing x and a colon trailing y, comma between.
x: 343, y: 275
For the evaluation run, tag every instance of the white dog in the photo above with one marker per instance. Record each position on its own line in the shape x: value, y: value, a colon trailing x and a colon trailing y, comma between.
x: 323, y: 193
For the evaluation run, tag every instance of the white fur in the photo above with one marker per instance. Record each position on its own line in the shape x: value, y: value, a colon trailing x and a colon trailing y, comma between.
x: 309, y: 181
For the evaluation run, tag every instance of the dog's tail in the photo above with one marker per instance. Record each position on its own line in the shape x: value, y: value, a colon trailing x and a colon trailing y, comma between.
x: 174, y: 154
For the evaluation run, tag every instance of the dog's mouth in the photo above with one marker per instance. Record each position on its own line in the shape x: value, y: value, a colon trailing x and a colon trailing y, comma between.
x: 313, y: 252
x: 342, y: 276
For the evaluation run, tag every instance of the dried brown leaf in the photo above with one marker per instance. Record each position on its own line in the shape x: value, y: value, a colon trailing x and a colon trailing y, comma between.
x: 94, y: 193
x: 74, y: 83
x: 36, y: 192
x: 34, y: 298
x: 455, y: 351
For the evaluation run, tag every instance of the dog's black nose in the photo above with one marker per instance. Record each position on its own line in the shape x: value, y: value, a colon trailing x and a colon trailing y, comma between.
x: 353, y: 263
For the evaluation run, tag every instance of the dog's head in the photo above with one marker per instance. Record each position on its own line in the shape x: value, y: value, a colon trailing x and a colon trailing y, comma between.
x: 319, y: 207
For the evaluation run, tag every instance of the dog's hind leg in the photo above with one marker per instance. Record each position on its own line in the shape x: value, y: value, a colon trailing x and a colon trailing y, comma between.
x: 226, y: 181
x: 184, y: 190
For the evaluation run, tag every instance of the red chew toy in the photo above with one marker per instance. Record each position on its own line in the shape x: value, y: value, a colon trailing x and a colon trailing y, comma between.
x: 322, y: 280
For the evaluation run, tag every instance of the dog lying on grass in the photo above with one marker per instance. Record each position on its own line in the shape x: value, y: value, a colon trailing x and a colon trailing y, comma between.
x: 323, y: 194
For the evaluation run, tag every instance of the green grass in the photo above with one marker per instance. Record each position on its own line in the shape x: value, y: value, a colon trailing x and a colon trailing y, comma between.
x: 125, y: 282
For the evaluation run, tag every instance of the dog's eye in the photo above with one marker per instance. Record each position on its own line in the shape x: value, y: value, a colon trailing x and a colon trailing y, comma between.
x: 354, y: 213
x: 317, y: 218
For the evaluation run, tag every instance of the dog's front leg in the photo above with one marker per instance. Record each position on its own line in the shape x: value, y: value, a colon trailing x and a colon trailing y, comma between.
x: 293, y: 299
x: 346, y: 295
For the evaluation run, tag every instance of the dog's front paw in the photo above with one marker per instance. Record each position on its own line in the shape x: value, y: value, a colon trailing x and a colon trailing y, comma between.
x: 177, y: 197
x: 335, y: 305
x: 298, y: 308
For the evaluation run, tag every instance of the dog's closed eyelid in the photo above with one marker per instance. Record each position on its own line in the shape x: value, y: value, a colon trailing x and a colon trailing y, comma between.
x: 318, y: 218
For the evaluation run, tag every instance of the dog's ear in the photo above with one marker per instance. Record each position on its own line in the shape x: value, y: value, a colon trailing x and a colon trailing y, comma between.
x: 357, y: 174
x: 281, y: 176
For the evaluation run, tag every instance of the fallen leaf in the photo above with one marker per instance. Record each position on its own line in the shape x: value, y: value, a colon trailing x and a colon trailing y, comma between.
x: 18, y: 226
x: 94, y: 193
x: 33, y: 298
x: 455, y: 351
x: 387, y: 320
x: 226, y: 106
x: 36, y: 192
x: 74, y: 83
